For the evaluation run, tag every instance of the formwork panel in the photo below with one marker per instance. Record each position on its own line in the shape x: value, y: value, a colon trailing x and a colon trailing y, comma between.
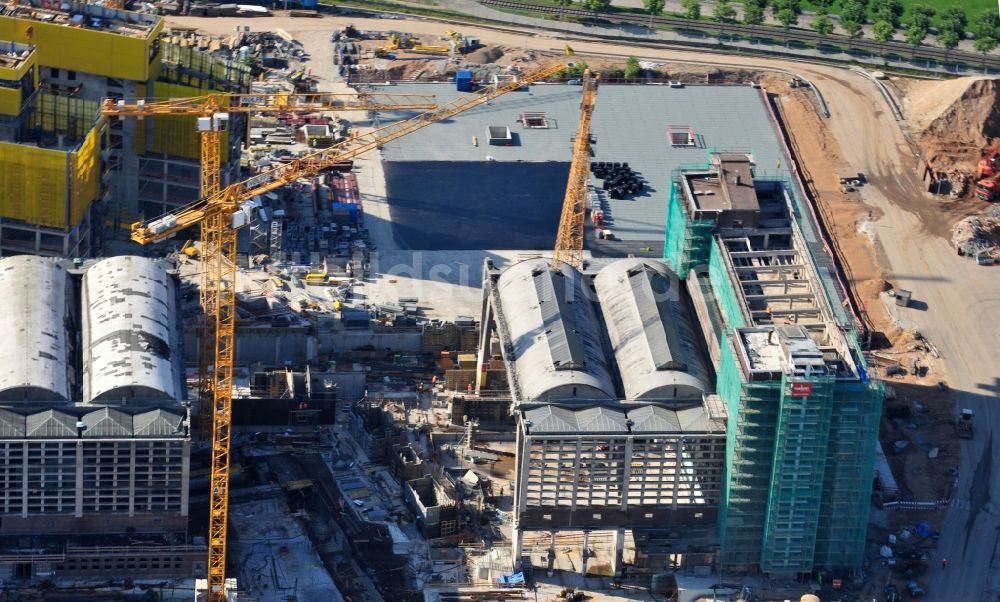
x: 10, y: 101
x: 33, y: 184
x: 85, y: 50
x: 86, y: 176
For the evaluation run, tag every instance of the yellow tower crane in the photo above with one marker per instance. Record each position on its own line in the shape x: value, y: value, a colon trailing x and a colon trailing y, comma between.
x: 220, y: 216
x: 213, y: 111
x: 569, y: 240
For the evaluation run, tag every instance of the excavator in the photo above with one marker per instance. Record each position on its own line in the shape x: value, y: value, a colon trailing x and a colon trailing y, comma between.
x: 987, y: 187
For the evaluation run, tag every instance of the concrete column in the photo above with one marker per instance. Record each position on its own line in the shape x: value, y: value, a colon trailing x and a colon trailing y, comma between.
x: 24, y: 481
x: 185, y: 476
x: 585, y: 552
x: 131, y: 479
x: 78, y: 513
x: 552, y: 553
x: 616, y: 561
x: 486, y: 331
x: 517, y: 541
x: 627, y: 472
x: 522, y: 476
x: 576, y: 475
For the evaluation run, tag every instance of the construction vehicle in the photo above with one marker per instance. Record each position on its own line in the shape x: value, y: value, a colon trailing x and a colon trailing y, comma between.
x: 220, y: 216
x: 212, y: 112
x: 572, y: 221
x: 964, y: 423
x: 987, y: 173
x: 400, y: 41
x: 460, y: 43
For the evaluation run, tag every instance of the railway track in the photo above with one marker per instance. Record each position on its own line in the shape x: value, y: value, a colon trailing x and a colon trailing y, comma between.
x: 926, y: 53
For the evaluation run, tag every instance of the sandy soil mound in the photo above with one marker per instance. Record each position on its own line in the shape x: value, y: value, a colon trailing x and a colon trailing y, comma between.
x: 953, y: 121
x: 484, y: 56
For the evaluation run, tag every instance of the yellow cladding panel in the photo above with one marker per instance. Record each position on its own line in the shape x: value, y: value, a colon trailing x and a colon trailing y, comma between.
x: 85, y: 50
x: 86, y: 176
x: 10, y: 101
x: 33, y: 184
x: 178, y: 136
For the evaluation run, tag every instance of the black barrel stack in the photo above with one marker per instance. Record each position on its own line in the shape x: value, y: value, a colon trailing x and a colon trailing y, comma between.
x: 619, y: 179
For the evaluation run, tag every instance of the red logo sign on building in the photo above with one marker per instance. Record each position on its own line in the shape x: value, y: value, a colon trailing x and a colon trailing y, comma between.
x: 802, y: 389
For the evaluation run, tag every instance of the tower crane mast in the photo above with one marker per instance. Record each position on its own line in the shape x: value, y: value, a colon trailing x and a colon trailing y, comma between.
x: 569, y: 239
x: 221, y: 214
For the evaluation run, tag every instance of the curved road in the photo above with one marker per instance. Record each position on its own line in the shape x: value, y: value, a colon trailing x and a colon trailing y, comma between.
x: 963, y: 299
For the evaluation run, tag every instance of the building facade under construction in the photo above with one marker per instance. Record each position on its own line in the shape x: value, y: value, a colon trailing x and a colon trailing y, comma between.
x: 59, y: 160
x: 93, y: 418
x: 616, y: 429
x: 803, y: 412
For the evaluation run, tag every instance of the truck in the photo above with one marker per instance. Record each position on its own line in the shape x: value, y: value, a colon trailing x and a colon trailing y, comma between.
x: 964, y: 423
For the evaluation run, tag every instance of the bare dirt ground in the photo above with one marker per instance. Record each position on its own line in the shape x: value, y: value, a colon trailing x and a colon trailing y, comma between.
x: 847, y: 218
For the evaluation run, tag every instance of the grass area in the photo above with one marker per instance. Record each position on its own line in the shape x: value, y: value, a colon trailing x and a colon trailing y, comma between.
x: 972, y: 7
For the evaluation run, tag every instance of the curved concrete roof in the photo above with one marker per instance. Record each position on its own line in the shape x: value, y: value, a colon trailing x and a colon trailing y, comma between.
x: 129, y: 332
x: 34, y: 356
x: 554, y: 334
x: 654, y: 343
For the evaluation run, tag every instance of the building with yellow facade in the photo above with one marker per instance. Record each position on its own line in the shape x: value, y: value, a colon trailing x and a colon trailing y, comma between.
x: 69, y: 179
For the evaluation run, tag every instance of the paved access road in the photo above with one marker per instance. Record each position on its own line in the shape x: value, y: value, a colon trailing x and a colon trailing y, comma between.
x: 962, y: 315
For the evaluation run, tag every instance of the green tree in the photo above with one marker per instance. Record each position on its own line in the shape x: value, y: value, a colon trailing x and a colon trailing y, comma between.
x: 852, y: 10
x: 985, y: 45
x: 822, y: 25
x: 598, y: 6
x: 753, y: 13
x: 921, y: 15
x: 724, y: 12
x: 654, y: 8
x: 888, y: 10
x: 692, y: 9
x: 632, y: 68
x: 794, y: 5
x: 955, y: 19
x: 987, y: 24
x: 948, y: 38
x: 786, y: 17
x: 882, y: 32
x: 853, y: 30
x: 915, y: 36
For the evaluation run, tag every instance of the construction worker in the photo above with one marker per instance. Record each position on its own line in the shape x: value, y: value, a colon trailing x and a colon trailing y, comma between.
x: 944, y: 563
x: 469, y: 388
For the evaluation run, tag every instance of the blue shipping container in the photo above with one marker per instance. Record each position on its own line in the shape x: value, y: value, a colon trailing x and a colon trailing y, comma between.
x: 463, y: 81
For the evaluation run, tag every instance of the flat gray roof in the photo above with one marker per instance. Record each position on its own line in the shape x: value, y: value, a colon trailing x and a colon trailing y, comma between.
x: 630, y: 124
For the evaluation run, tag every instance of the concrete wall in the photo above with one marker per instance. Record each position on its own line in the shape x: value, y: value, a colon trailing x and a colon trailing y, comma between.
x: 349, y: 340
x: 350, y: 385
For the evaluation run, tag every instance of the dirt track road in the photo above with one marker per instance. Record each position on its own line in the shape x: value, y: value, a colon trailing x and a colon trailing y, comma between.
x: 960, y: 300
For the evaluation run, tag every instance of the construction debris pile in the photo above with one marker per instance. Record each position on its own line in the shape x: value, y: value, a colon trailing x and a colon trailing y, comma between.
x: 978, y: 236
x: 952, y: 121
x: 276, y: 55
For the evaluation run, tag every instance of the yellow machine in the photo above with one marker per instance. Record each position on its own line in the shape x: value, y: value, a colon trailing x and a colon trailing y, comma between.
x: 569, y: 240
x: 220, y: 216
x: 213, y: 112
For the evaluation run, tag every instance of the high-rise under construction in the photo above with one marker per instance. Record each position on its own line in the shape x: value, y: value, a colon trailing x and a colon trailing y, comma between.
x: 59, y: 160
